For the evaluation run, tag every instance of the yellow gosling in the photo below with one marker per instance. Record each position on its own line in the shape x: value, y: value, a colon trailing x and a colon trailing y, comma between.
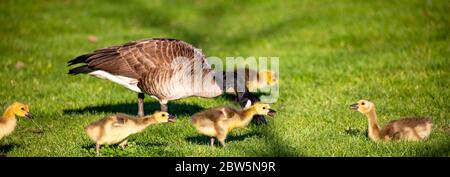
x: 8, y: 121
x: 117, y: 128
x: 218, y: 122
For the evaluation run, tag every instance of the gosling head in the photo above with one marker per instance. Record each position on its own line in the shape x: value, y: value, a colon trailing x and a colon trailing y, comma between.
x: 21, y: 109
x: 363, y: 106
x: 163, y: 117
x: 267, y: 78
x: 261, y: 108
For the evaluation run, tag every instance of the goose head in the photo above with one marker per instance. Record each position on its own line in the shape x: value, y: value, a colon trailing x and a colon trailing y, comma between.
x: 267, y: 78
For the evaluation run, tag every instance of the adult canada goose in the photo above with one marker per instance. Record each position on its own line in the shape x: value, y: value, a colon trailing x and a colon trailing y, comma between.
x: 413, y: 129
x: 218, y: 121
x: 166, y: 69
x: 8, y: 121
x: 116, y: 129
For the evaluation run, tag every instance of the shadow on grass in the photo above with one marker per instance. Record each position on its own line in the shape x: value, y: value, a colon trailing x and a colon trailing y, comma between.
x: 277, y: 146
x: 4, y: 149
x: 141, y: 144
x: 115, y: 151
x: 205, y: 140
x: 131, y: 109
x: 148, y: 144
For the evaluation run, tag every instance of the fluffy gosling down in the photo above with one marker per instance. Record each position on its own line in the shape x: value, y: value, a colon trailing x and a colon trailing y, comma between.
x: 218, y: 122
x: 117, y: 128
x: 8, y: 121
x: 413, y: 129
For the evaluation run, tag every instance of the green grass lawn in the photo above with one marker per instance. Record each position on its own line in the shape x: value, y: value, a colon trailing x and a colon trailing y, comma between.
x: 332, y: 53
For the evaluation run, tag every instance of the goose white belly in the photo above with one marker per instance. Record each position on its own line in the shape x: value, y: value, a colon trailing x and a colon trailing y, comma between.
x: 127, y: 82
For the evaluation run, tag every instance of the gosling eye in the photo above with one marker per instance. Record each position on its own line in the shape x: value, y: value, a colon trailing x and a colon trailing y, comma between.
x: 23, y: 109
x: 164, y: 115
x: 363, y: 103
x: 264, y: 108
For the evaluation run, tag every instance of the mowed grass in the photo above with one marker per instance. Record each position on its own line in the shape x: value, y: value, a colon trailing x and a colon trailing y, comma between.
x: 332, y: 53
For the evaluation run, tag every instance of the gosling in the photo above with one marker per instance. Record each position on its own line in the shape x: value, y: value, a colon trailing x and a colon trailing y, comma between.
x: 411, y: 129
x: 116, y: 129
x: 8, y: 121
x: 218, y: 122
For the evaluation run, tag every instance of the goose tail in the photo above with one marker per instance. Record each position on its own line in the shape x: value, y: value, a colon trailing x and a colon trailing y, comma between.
x: 80, y: 69
x: 79, y: 59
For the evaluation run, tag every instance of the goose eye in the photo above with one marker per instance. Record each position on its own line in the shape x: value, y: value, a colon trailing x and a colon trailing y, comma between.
x: 264, y: 107
x: 23, y: 109
x: 363, y: 103
x: 164, y: 115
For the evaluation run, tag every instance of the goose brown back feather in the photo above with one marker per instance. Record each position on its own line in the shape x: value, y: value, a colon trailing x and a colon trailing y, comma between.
x: 136, y: 58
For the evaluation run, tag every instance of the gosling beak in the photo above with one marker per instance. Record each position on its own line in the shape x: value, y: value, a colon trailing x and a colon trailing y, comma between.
x: 271, y: 112
x: 29, y: 115
x: 354, y: 106
x: 172, y: 118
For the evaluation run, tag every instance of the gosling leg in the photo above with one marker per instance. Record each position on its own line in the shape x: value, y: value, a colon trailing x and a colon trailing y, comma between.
x: 97, y: 149
x: 141, y: 104
x: 123, y: 144
x: 212, y: 142
x: 221, y: 137
x: 222, y: 140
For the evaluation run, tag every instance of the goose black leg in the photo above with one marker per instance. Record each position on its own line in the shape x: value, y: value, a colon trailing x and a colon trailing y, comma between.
x: 141, y: 104
x: 164, y: 107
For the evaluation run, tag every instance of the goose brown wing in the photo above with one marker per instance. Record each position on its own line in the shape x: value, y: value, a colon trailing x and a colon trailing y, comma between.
x: 136, y: 58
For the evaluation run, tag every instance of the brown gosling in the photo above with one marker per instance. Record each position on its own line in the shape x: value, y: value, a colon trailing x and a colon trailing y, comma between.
x: 117, y: 128
x: 8, y: 121
x: 412, y: 129
x: 219, y: 121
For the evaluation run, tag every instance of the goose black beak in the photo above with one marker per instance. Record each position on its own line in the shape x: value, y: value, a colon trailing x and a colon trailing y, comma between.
x: 271, y: 112
x: 172, y: 118
x: 354, y: 106
x: 29, y: 115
